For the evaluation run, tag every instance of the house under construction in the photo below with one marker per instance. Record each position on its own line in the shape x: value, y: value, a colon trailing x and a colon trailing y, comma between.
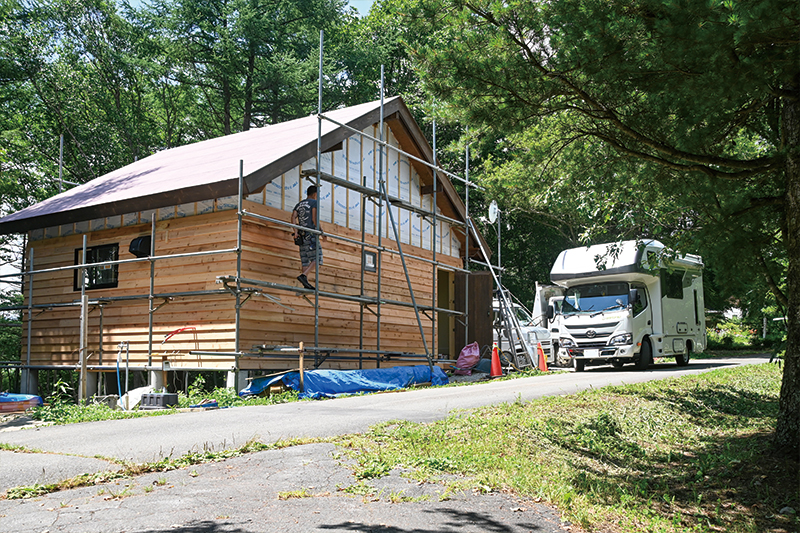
x: 185, y: 258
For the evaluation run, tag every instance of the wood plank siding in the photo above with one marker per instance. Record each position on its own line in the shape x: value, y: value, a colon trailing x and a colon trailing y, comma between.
x: 268, y: 254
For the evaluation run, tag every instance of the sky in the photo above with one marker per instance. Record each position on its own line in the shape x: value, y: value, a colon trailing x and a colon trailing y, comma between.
x: 361, y: 5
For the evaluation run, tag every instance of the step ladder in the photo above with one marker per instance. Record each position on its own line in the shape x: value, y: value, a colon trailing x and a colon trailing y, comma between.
x: 510, y: 333
x: 521, y: 353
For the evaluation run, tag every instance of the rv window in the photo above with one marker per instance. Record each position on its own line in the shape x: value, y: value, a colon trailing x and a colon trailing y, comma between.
x: 641, y: 303
x: 672, y: 284
x: 99, y: 277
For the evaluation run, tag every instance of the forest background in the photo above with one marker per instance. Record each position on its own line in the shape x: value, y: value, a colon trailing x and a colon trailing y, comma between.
x: 562, y: 106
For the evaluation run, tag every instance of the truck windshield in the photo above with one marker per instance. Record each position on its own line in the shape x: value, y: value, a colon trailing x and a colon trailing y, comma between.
x: 595, y: 297
x: 523, y: 316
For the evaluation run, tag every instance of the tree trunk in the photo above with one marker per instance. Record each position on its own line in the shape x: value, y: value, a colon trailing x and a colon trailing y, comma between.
x: 226, y: 105
x: 248, y: 89
x: 787, y: 433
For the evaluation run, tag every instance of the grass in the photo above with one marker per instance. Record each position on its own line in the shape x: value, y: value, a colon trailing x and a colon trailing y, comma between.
x: 295, y: 494
x: 60, y: 409
x: 686, y: 454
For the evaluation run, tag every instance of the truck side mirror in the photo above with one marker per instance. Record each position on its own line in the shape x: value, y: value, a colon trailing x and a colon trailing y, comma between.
x: 551, y: 312
x: 633, y: 296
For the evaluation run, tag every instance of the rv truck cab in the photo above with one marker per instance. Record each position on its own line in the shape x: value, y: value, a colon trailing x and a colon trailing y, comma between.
x: 625, y: 303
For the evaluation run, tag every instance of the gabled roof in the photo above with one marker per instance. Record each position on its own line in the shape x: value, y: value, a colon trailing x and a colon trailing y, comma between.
x: 210, y: 169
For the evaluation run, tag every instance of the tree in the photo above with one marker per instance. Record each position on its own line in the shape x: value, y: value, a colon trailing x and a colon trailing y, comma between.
x: 700, y: 99
x: 249, y: 63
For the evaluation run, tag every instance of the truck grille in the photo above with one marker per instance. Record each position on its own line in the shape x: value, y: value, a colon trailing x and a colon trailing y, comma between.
x: 584, y: 345
x: 597, y: 335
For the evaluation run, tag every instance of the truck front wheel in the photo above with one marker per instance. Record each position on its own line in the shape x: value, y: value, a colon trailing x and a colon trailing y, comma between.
x: 645, y: 356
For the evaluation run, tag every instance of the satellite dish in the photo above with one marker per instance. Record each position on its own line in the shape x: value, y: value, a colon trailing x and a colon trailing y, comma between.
x: 493, y: 211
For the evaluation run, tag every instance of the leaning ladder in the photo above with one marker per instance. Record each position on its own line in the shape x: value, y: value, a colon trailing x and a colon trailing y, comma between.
x: 523, y: 357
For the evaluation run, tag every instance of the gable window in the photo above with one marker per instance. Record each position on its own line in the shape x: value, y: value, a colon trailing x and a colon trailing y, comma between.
x: 102, y: 276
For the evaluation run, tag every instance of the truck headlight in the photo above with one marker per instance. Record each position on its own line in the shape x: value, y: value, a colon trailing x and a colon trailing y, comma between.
x: 566, y: 343
x: 625, y: 338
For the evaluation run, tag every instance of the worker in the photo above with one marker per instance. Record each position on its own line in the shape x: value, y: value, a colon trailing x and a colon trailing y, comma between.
x: 305, y: 214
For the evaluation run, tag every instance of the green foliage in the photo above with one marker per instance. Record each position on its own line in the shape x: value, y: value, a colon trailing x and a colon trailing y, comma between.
x: 10, y: 328
x: 668, y: 120
x: 61, y: 408
x: 228, y: 397
x: 592, y: 110
x: 731, y: 334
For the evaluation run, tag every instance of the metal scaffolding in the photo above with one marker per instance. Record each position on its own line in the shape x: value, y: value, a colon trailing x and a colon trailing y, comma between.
x: 243, y: 289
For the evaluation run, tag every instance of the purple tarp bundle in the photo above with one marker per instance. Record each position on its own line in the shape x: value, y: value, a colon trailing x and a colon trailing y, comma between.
x: 332, y: 383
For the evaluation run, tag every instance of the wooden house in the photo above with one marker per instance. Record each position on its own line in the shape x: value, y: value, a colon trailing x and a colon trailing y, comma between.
x: 180, y: 304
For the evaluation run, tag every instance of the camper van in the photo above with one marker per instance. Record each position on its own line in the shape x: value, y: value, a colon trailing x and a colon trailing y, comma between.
x: 626, y: 302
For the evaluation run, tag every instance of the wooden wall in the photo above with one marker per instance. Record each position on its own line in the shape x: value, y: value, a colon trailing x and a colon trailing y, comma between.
x: 55, y: 332
x: 268, y: 255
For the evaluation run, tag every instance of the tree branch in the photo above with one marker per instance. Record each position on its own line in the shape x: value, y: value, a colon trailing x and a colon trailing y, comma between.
x: 773, y: 287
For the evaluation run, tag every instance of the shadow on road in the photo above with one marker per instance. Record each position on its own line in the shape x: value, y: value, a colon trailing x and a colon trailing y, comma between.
x: 440, y: 520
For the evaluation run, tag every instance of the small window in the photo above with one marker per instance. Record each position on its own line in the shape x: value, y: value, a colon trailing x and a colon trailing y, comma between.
x: 672, y: 284
x: 99, y: 277
x: 641, y: 303
x: 370, y: 264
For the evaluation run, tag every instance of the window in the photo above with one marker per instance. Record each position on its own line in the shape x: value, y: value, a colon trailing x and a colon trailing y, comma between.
x: 672, y: 284
x: 370, y: 264
x: 595, y: 297
x: 641, y: 303
x: 99, y: 277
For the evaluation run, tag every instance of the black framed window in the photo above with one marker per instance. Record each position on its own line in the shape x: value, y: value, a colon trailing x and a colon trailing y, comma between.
x: 102, y: 276
x: 641, y: 303
x: 672, y: 284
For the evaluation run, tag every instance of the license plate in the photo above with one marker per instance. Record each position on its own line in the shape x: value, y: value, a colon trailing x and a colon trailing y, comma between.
x: 591, y: 353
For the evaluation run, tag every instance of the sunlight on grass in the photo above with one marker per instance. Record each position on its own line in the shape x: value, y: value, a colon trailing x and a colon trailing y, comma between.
x: 679, y: 455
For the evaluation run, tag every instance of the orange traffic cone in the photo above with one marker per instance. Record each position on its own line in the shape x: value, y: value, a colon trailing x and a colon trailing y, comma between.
x: 496, y: 369
x: 542, y: 358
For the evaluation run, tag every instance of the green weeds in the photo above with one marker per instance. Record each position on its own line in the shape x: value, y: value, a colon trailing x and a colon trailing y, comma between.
x: 60, y: 408
x: 686, y: 454
x: 681, y: 455
x: 294, y: 494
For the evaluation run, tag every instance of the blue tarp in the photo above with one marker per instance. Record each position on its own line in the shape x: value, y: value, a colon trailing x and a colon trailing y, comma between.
x: 10, y: 401
x: 332, y: 383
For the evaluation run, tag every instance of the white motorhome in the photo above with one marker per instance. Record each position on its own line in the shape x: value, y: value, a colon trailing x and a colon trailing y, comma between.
x: 627, y: 302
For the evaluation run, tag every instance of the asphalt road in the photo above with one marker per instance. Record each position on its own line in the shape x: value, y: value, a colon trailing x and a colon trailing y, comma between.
x: 242, y: 494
